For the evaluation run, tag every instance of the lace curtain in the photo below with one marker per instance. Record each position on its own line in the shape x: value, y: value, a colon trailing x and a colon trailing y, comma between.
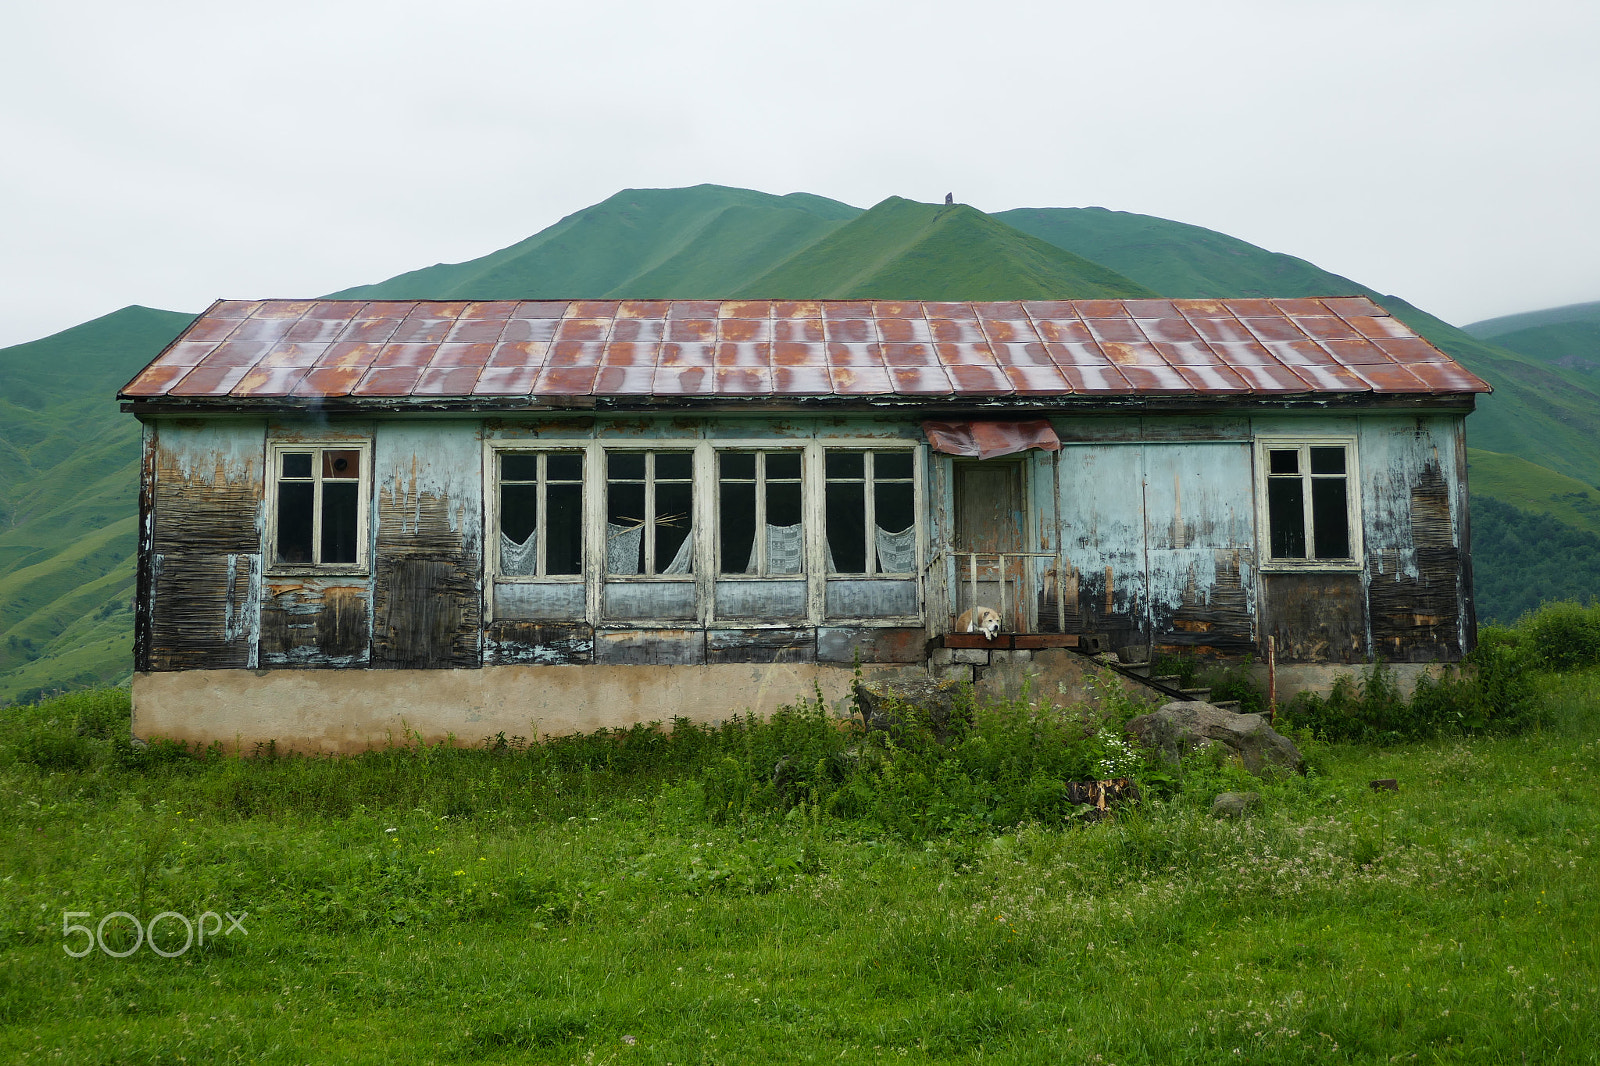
x: 623, y: 554
x: 897, y: 552
x: 519, y: 560
x: 785, y: 551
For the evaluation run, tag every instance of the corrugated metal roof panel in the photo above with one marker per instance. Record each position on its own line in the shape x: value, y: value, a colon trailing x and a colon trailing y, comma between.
x: 283, y: 351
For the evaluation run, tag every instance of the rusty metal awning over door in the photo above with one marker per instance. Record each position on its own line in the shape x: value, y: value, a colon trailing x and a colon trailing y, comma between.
x: 511, y: 354
x: 990, y: 440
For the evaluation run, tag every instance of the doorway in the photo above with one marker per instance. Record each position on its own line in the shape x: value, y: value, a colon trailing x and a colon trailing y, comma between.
x: 991, y: 521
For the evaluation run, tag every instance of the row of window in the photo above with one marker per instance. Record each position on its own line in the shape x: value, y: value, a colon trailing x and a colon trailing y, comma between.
x: 869, y: 516
x: 649, y: 503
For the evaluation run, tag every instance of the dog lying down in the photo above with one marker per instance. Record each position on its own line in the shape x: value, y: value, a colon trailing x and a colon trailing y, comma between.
x: 985, y: 620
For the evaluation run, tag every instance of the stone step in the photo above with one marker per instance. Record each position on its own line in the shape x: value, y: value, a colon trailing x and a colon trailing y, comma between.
x: 1201, y: 694
x: 1227, y: 705
x: 1169, y: 680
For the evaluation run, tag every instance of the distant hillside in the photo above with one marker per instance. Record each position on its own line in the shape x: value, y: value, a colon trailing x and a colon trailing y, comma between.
x: 1492, y: 328
x: 709, y: 242
x: 704, y: 241
x: 1530, y: 487
x: 903, y: 250
x: 69, y: 484
x: 1564, y: 337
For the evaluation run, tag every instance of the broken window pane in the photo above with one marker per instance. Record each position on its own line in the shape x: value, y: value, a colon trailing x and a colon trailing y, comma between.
x: 296, y: 508
x: 894, y: 512
x: 1330, y: 514
x: 1286, y: 517
x: 340, y: 500
x: 563, y: 529
x: 847, y: 527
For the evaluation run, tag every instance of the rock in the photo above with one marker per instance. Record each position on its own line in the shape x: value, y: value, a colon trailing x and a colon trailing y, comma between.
x: 1235, y: 804
x: 883, y: 705
x: 1182, y: 727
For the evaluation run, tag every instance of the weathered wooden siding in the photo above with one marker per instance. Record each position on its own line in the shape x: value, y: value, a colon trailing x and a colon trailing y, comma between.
x: 203, y: 547
x: 428, y: 545
x: 1104, y: 584
x: 1200, y: 546
x: 1414, y: 507
x: 1157, y: 534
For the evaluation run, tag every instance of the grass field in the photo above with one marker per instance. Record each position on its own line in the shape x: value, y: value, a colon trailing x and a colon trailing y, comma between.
x: 627, y: 899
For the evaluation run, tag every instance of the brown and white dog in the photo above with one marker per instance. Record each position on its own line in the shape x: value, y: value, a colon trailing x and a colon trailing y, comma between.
x: 983, y: 620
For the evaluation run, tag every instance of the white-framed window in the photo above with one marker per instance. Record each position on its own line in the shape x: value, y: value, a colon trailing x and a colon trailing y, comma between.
x: 650, y: 513
x: 540, y: 509
x: 761, y: 512
x: 1308, y: 503
x: 739, y: 530
x: 870, y: 512
x: 318, y: 505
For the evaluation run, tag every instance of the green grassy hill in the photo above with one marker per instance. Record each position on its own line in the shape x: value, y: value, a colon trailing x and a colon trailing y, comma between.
x: 703, y: 242
x: 902, y: 250
x: 69, y: 484
x: 1566, y: 337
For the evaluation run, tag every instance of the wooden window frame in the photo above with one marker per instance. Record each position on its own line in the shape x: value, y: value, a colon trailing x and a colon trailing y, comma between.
x: 493, y: 531
x: 1352, y: 475
x: 706, y: 571
x: 652, y: 562
x: 276, y: 449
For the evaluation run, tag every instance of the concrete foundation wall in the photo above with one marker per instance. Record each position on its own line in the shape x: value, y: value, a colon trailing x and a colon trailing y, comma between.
x: 329, y: 711
x: 1295, y: 678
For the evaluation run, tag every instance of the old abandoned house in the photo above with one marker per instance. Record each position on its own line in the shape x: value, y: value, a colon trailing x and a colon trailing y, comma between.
x: 361, y: 518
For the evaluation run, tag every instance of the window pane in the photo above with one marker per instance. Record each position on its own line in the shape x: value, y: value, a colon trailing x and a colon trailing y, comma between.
x: 737, y: 524
x: 1286, y: 517
x: 844, y: 464
x: 783, y: 465
x: 674, y: 466
x: 847, y: 527
x: 1284, y: 460
x: 564, y: 466
x: 894, y: 506
x: 341, y: 464
x: 339, y: 504
x: 625, y: 526
x: 740, y: 465
x: 892, y: 464
x: 519, y: 512
x: 674, y: 521
x: 563, y: 528
x: 296, y: 464
x: 783, y: 503
x: 1330, y: 516
x: 519, y: 466
x: 1327, y: 460
x: 295, y: 502
x: 623, y: 465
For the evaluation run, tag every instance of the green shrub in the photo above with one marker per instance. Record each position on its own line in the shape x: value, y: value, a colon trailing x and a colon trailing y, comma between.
x: 1562, y: 636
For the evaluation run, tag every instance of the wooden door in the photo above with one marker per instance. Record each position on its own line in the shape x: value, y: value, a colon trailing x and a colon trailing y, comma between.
x: 990, y: 518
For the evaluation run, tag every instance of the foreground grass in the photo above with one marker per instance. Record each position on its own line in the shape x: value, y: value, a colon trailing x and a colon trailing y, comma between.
x: 532, y: 913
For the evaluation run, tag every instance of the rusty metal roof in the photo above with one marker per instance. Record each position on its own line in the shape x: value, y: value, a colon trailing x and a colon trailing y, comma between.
x: 277, y: 353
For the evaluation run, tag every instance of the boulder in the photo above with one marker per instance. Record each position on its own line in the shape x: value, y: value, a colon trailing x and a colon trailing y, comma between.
x: 1234, y: 804
x: 883, y: 705
x: 1182, y: 727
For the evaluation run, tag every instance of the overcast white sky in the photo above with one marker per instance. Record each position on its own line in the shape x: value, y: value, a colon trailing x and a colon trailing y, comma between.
x: 169, y: 152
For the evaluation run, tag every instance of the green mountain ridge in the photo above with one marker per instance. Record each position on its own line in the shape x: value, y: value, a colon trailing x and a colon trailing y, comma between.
x: 903, y: 250
x: 69, y: 460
